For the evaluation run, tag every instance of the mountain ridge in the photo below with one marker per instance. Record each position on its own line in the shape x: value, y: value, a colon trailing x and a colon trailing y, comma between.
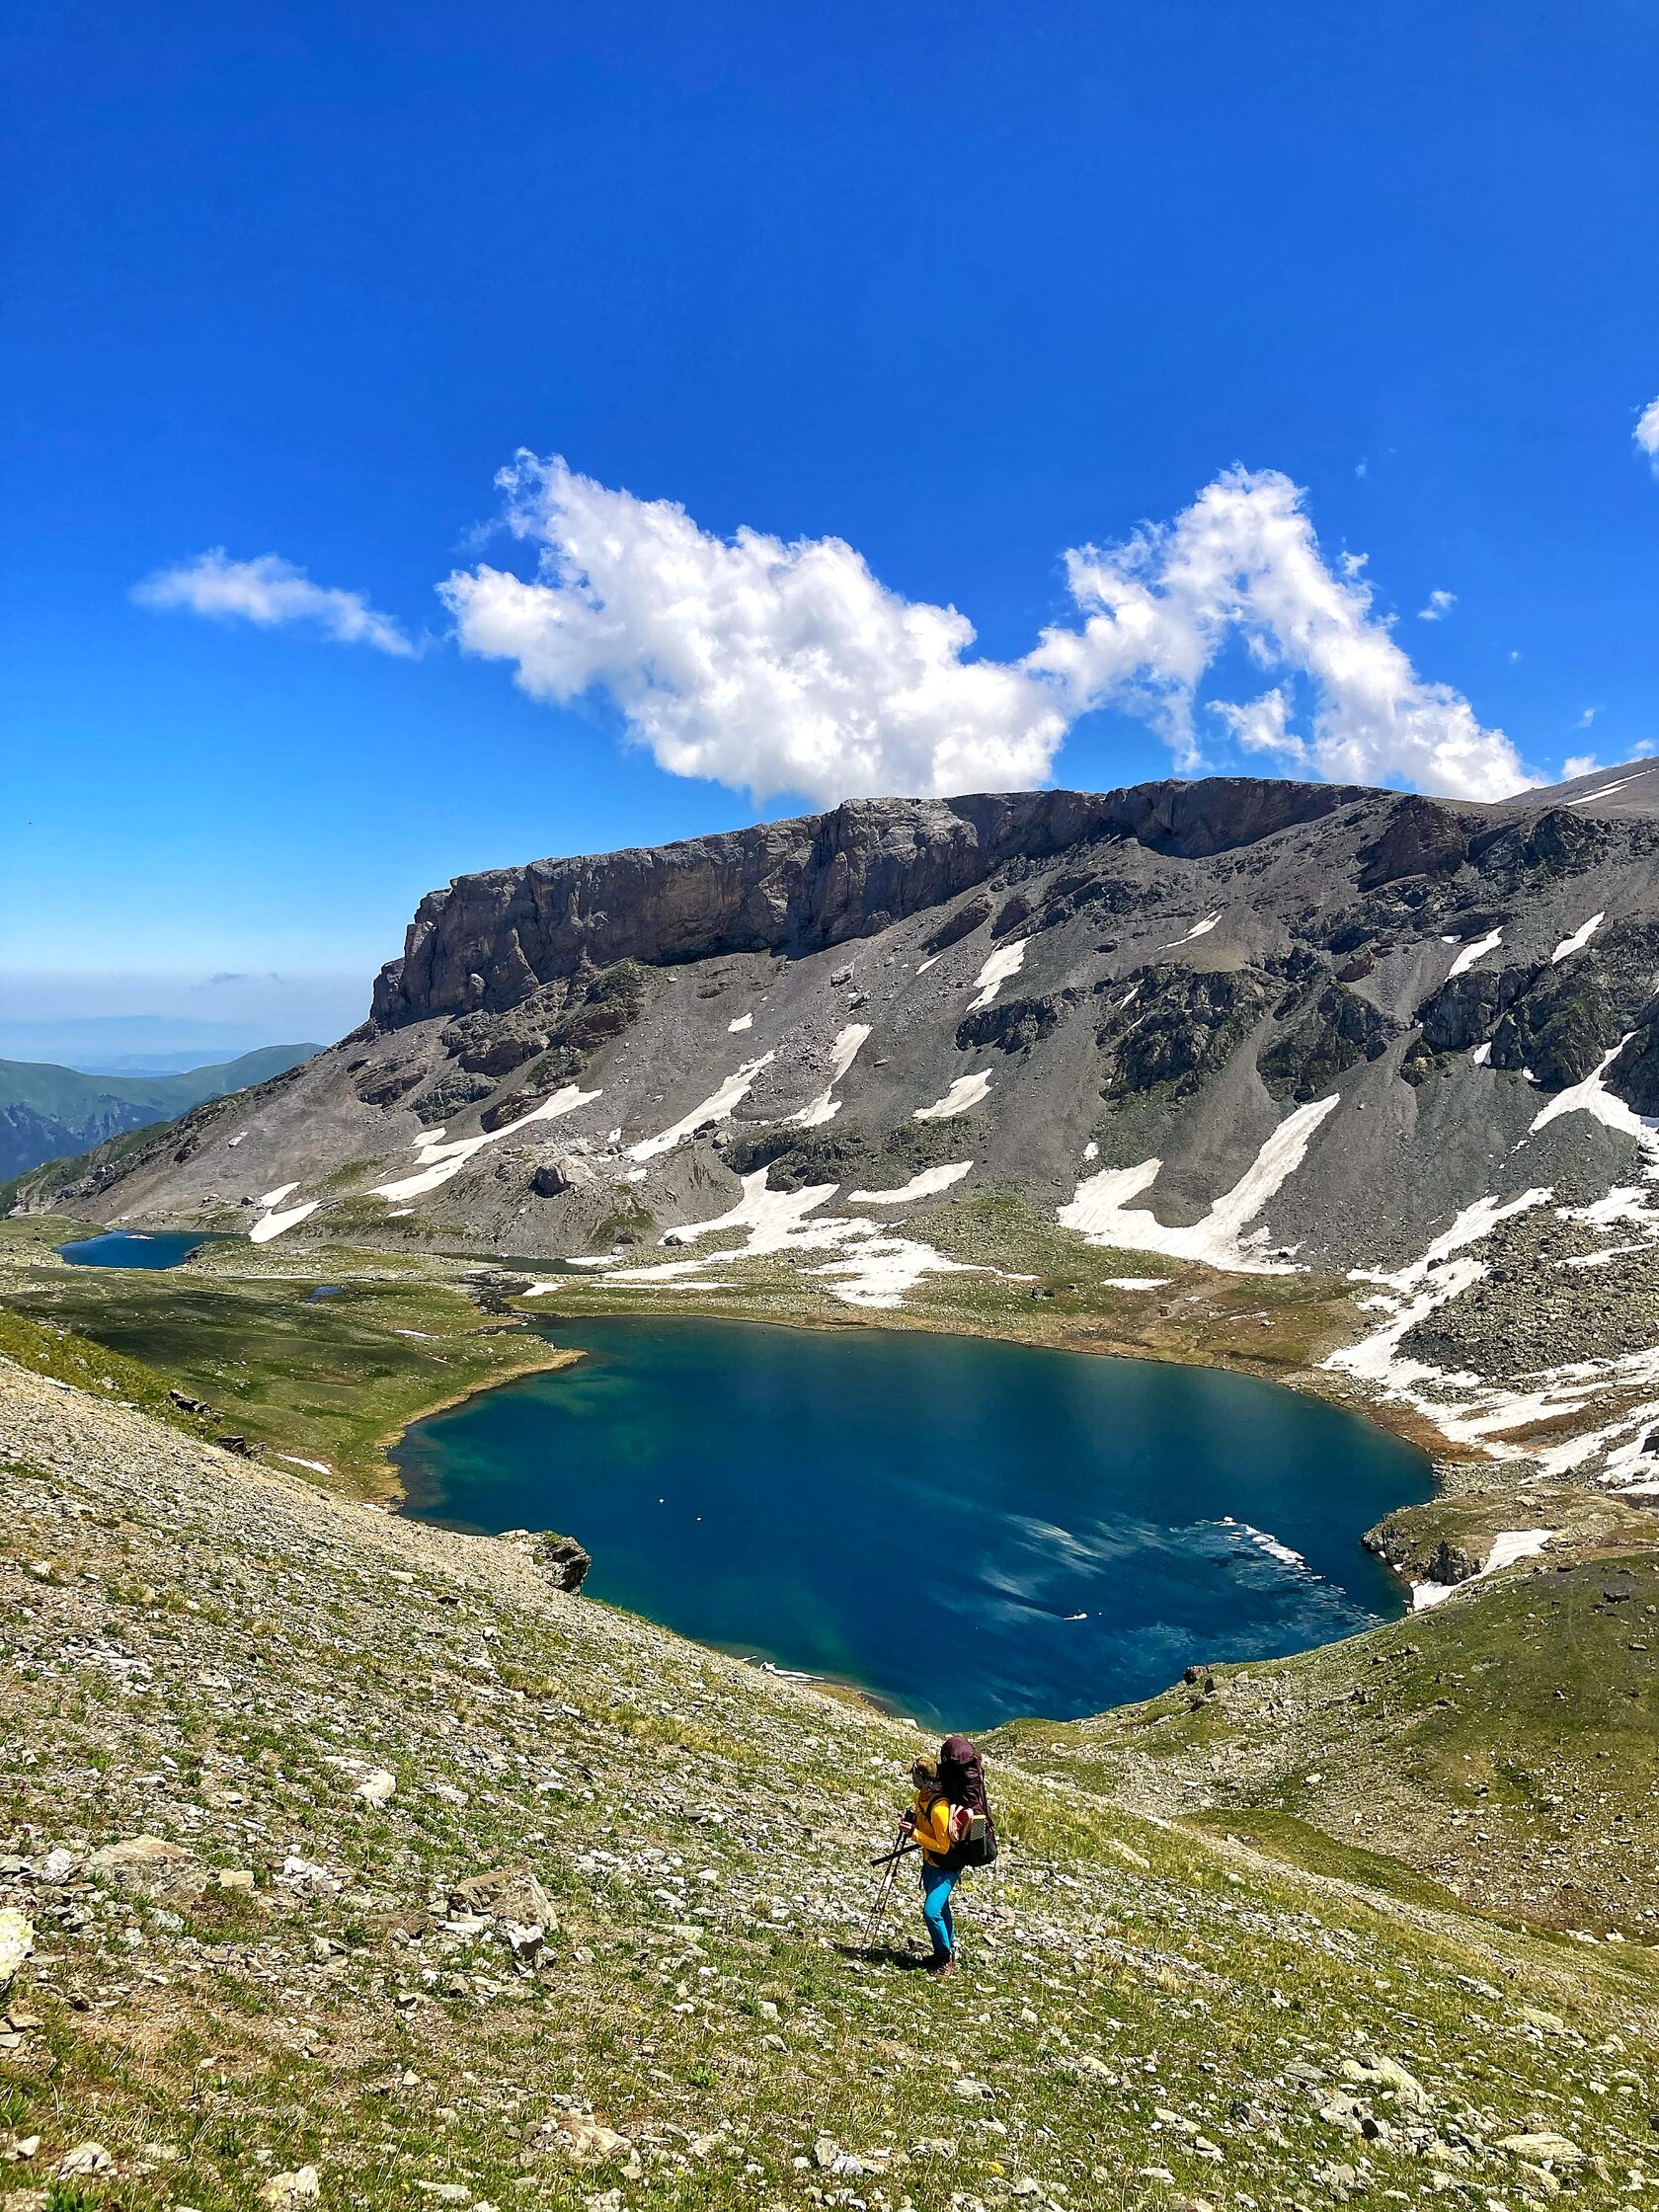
x: 1404, y: 1047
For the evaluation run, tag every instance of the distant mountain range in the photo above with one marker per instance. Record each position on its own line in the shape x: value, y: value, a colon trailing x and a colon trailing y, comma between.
x: 47, y: 1113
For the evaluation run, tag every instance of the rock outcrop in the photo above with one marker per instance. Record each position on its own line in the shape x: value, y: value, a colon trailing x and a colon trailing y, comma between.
x: 490, y: 941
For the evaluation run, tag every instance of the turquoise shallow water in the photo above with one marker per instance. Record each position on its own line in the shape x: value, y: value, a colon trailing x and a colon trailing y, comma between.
x: 162, y: 1247
x: 927, y: 1516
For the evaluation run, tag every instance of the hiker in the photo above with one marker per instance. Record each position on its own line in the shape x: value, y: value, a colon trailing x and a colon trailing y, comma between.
x: 951, y: 1826
x: 928, y: 1821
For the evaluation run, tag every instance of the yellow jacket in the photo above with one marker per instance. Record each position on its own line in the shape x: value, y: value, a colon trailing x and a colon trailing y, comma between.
x: 931, y: 1814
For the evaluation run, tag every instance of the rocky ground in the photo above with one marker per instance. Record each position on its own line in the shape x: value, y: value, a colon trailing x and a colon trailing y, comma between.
x: 289, y: 1778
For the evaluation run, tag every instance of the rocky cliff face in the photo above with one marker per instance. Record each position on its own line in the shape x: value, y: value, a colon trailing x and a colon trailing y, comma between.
x: 490, y: 941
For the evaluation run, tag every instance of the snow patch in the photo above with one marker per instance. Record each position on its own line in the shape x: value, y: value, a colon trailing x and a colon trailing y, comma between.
x: 845, y: 1050
x: 1509, y: 1545
x: 716, y: 1108
x: 275, y: 1197
x: 1577, y: 941
x: 317, y: 1467
x: 1465, y: 1408
x: 1198, y: 930
x: 1468, y: 1226
x: 1607, y: 789
x: 273, y: 1225
x: 1592, y: 1096
x: 744, y: 1021
x: 1471, y: 953
x: 1601, y: 1259
x: 927, y: 1184
x: 932, y: 961
x: 439, y: 1162
x: 874, y: 1268
x: 966, y: 1092
x: 1006, y: 961
x: 1512, y: 1544
x: 1101, y: 1214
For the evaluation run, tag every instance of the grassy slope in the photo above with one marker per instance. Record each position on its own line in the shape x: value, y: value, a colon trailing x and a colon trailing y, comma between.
x: 1155, y: 2017
x: 329, y: 1380
x: 1503, y: 1745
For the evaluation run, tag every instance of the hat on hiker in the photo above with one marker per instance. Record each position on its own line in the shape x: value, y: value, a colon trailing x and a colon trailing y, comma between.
x: 923, y: 1773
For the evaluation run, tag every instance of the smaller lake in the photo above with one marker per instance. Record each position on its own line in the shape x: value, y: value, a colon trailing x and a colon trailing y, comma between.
x: 120, y: 1247
x: 972, y: 1531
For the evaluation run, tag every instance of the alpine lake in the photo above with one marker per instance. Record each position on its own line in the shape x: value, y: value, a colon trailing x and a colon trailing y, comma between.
x: 148, y: 1249
x: 969, y: 1530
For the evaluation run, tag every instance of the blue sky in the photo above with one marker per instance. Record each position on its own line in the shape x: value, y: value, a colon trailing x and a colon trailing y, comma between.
x: 940, y: 295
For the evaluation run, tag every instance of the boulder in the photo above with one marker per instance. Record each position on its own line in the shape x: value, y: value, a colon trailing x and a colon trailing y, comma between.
x: 17, y: 1941
x: 1378, y: 2071
x: 509, y: 1893
x: 149, y: 1866
x: 302, y: 2186
x: 586, y: 2140
x: 1542, y: 2149
x: 569, y: 1173
x: 563, y: 1561
x: 86, y: 2159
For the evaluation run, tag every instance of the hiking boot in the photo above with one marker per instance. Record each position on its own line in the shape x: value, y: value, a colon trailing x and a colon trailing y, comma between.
x: 940, y: 1967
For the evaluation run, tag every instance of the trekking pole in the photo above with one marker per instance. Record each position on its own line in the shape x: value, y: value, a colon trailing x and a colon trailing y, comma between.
x: 879, y: 1907
x: 889, y: 1863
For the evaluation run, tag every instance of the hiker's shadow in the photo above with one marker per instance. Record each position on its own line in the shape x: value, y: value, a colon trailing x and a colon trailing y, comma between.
x: 883, y: 1954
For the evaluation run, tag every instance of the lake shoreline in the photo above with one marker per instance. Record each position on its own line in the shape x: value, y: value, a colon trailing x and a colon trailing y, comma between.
x: 1457, y: 1468
x: 868, y: 1506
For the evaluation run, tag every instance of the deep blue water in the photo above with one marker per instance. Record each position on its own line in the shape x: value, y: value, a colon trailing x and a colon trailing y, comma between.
x: 924, y: 1515
x: 119, y: 1247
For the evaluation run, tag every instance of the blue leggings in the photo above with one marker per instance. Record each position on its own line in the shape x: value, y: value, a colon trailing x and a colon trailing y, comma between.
x: 937, y: 1882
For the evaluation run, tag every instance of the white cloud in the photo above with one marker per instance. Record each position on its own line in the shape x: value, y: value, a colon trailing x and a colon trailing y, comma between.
x: 1262, y: 725
x: 1647, y: 432
x: 772, y: 666
x: 1578, y: 764
x: 1587, y: 718
x: 269, y: 591
x: 790, y: 667
x: 1440, y: 604
x: 1242, y: 562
